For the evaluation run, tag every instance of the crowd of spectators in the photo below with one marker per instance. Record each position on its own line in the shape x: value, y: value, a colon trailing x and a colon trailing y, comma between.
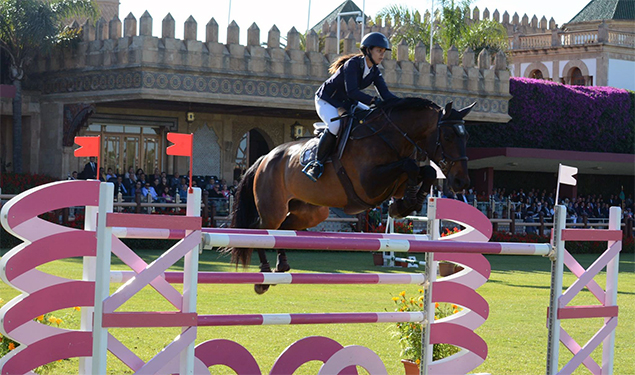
x: 161, y: 187
x: 528, y: 205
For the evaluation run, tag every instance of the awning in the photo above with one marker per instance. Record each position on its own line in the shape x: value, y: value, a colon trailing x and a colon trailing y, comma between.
x: 538, y: 160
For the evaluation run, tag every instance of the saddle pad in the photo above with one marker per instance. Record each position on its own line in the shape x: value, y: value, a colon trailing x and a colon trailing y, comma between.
x: 309, y: 152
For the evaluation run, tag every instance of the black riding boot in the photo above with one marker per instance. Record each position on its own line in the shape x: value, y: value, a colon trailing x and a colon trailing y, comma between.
x: 315, y: 168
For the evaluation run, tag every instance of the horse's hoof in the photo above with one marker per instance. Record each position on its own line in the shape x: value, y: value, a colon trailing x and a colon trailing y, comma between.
x: 282, y: 267
x: 261, y: 288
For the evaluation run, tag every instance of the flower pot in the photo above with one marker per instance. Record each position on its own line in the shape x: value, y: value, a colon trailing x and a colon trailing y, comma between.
x: 446, y: 269
x: 378, y: 259
x: 411, y: 367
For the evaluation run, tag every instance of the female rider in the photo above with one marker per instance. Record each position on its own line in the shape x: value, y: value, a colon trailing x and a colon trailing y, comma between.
x: 350, y: 75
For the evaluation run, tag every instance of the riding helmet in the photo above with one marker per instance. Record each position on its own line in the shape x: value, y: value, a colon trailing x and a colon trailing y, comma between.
x: 374, y: 39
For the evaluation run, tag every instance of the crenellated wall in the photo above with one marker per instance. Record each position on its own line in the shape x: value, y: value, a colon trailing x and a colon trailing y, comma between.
x: 124, y: 59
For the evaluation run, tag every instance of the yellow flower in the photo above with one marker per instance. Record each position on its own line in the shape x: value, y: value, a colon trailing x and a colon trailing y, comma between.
x: 58, y: 321
x: 420, y: 298
x: 455, y: 307
x: 403, y: 293
x: 436, y: 317
x: 77, y: 308
x: 412, y: 300
x: 395, y: 299
x: 52, y: 319
x: 1, y: 300
x: 436, y: 305
x: 40, y: 318
x: 421, y: 290
x: 418, y: 361
x: 11, y: 346
x: 403, y: 301
x: 421, y: 305
x: 455, y: 311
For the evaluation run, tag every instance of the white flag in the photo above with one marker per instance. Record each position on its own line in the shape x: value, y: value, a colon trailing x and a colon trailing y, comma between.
x: 440, y: 175
x: 565, y: 175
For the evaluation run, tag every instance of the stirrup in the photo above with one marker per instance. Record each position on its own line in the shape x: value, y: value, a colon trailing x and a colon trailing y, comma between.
x: 310, y: 170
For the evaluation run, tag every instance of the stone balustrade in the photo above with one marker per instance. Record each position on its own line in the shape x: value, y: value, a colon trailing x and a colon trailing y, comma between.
x: 115, y: 59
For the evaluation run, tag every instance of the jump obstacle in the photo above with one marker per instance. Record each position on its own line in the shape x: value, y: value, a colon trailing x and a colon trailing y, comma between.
x: 43, y: 293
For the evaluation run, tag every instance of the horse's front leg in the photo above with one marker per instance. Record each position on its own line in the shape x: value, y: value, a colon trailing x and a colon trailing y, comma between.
x: 404, y: 206
x: 428, y: 176
x: 282, y: 265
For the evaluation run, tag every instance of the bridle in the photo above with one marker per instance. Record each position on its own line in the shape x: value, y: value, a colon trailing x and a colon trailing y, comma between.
x: 458, y: 126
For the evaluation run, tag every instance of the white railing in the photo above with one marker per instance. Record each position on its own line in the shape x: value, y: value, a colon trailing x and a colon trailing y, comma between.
x: 579, y: 37
x: 622, y: 38
x: 535, y: 41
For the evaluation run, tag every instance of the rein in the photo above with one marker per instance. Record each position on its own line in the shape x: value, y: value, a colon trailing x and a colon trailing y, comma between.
x: 443, y: 163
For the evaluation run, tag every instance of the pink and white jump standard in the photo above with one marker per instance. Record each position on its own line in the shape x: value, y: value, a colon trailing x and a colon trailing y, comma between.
x: 42, y: 292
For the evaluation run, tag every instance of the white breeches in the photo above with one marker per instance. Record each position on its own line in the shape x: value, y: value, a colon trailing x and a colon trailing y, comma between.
x: 326, y: 112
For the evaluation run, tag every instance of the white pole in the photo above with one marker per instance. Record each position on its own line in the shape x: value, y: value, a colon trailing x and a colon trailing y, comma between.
x: 102, y: 278
x: 308, y: 18
x: 557, y: 269
x: 190, y: 280
x: 88, y: 274
x: 612, y: 268
x: 229, y: 12
x: 363, y: 20
x: 431, y: 22
x: 431, y: 277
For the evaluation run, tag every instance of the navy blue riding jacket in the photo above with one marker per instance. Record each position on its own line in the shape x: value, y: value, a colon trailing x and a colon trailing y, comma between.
x: 344, y: 87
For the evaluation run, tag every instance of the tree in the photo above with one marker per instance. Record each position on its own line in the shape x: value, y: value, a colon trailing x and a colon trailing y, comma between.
x: 30, y: 28
x: 453, y: 28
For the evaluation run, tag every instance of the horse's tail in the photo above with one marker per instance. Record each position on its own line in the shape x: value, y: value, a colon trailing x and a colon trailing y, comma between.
x: 244, y: 213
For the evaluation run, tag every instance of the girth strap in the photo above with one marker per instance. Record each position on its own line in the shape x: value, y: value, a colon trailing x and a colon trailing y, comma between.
x: 354, y: 201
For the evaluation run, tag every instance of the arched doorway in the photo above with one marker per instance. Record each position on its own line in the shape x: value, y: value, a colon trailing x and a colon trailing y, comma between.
x: 576, y: 77
x: 536, y: 74
x: 252, y: 145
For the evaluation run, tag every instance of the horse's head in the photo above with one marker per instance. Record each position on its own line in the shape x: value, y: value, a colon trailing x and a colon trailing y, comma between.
x: 447, y: 148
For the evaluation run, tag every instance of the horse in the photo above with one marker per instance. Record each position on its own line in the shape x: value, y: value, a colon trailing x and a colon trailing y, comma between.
x: 380, y: 160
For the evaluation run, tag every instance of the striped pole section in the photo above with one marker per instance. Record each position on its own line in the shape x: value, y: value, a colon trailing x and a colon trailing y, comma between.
x: 289, y: 319
x: 282, y: 278
x: 151, y: 233
x: 361, y: 243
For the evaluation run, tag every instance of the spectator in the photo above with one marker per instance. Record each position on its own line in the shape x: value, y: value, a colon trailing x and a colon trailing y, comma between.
x: 90, y: 169
x: 137, y: 187
x: 73, y: 176
x: 167, y: 197
x: 225, y: 192
x: 149, y: 189
x: 142, y: 178
x: 102, y: 175
x: 183, y: 191
x: 175, y: 181
x: 110, y: 175
x: 120, y: 187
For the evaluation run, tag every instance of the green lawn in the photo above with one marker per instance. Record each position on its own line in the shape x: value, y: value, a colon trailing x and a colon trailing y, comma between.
x: 518, y: 294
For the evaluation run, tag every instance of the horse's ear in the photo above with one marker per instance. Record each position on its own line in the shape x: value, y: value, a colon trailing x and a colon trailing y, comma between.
x: 464, y: 112
x: 447, y: 111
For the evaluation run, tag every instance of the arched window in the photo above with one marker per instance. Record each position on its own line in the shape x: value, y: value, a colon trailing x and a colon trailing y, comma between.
x: 576, y: 77
x: 536, y: 74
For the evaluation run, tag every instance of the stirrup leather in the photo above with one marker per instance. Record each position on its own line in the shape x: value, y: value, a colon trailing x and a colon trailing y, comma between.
x: 314, y: 170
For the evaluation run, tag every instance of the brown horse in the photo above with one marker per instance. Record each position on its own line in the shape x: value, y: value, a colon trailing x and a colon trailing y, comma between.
x: 381, y: 160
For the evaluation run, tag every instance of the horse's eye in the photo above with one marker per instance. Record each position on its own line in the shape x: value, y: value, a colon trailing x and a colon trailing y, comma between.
x: 447, y: 136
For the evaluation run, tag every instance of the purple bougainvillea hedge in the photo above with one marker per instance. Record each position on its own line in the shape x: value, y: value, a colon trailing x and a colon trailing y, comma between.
x: 550, y: 115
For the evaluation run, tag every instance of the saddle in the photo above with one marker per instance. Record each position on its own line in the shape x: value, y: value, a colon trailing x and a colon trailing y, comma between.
x: 309, y: 152
x: 352, y: 119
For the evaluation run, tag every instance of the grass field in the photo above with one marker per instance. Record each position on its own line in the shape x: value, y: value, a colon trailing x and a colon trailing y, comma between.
x: 518, y: 295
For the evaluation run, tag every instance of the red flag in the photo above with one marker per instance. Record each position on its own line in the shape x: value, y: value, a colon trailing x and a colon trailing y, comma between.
x: 89, y: 146
x: 182, y: 144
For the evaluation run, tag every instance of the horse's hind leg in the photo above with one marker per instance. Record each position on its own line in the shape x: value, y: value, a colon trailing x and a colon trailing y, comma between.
x: 301, y: 216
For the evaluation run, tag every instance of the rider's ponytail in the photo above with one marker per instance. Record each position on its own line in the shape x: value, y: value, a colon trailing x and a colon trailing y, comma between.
x: 341, y: 61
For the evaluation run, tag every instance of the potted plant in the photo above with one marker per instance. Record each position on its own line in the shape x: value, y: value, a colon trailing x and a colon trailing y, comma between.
x: 409, y: 333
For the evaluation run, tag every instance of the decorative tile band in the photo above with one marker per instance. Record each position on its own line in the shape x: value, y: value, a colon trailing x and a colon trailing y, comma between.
x: 247, y: 87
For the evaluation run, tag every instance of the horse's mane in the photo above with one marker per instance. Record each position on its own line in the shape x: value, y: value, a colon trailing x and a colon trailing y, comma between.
x: 410, y: 103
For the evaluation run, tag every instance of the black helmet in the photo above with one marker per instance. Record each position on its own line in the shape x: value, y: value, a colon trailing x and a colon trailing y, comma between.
x: 374, y: 39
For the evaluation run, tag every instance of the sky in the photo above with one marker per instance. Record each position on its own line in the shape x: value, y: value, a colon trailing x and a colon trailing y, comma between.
x: 295, y: 13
